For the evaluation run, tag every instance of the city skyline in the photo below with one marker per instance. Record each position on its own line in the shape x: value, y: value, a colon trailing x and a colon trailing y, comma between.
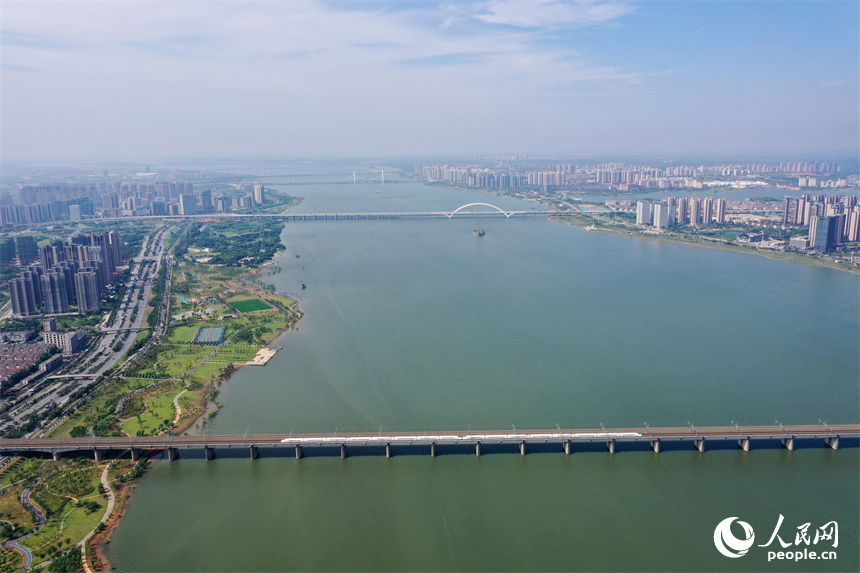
x: 126, y: 80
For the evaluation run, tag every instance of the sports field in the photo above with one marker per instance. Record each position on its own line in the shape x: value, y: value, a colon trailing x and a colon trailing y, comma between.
x: 250, y: 305
x: 209, y: 334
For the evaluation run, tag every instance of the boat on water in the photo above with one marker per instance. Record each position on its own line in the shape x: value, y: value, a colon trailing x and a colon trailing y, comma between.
x: 479, y: 232
x: 304, y: 286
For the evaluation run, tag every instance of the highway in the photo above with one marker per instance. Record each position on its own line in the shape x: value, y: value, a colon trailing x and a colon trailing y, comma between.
x: 123, y: 329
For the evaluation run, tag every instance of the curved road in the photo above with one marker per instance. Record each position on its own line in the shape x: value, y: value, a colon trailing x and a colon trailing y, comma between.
x: 40, y: 523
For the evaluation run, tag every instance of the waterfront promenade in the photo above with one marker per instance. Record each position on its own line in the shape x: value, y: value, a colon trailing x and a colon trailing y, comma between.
x: 384, y: 443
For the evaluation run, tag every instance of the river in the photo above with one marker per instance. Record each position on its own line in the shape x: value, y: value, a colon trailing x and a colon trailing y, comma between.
x: 420, y: 324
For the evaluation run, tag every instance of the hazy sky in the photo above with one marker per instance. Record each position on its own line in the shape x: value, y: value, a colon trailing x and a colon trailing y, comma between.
x: 138, y: 80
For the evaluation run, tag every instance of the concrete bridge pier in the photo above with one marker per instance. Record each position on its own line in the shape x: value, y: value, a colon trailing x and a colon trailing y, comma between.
x: 655, y: 445
x: 832, y: 442
x: 700, y: 444
x: 611, y: 446
x: 744, y: 443
x: 172, y: 454
x: 255, y: 452
x: 298, y: 452
x: 98, y: 454
x: 433, y: 450
x: 343, y: 451
x: 209, y: 452
x: 522, y: 448
x: 387, y: 450
x: 567, y: 447
x: 478, y: 449
x: 56, y: 456
x: 788, y: 443
x: 135, y: 454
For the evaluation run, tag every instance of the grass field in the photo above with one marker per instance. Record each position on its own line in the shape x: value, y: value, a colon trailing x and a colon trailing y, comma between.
x: 234, y: 354
x: 158, y: 413
x: 205, y: 372
x: 70, y: 522
x: 250, y: 305
x: 86, y: 415
x: 178, y: 359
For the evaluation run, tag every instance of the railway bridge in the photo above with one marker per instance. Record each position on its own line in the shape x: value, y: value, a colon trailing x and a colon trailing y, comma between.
x: 567, y: 440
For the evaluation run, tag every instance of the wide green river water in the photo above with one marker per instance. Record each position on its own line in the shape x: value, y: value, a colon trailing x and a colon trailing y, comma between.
x: 420, y: 324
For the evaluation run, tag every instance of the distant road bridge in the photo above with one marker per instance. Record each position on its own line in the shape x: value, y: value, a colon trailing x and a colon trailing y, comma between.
x: 469, y: 211
x: 788, y: 436
x: 376, y: 176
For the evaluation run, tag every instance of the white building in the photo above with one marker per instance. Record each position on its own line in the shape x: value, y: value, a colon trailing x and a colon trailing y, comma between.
x: 644, y: 212
x: 69, y: 342
x: 662, y: 215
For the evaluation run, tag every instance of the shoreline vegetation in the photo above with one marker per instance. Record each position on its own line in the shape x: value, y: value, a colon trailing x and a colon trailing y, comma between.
x: 698, y: 238
x: 170, y: 389
x: 173, y: 387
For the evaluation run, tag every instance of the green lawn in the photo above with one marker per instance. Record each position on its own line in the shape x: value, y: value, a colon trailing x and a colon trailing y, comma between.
x: 159, y: 409
x: 205, y: 372
x: 182, y: 334
x: 250, y: 305
x: 180, y: 359
x: 234, y: 354
x: 86, y: 415
x: 70, y: 522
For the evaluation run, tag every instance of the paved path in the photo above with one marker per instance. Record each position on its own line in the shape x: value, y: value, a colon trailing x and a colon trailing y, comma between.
x: 178, y: 408
x: 83, y: 542
x: 40, y: 523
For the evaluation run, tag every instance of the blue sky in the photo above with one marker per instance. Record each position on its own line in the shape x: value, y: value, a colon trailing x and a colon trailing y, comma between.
x: 137, y: 80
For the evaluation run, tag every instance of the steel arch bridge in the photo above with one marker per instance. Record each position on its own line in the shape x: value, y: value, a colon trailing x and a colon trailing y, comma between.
x: 458, y: 209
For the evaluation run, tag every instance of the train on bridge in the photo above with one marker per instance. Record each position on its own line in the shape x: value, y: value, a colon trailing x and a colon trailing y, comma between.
x: 787, y: 436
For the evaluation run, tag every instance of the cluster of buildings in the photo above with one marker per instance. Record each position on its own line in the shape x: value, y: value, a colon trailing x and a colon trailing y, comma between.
x: 75, y: 274
x: 18, y: 354
x: 19, y: 250
x: 831, y: 220
x: 496, y: 178
x: 510, y: 176
x: 45, y: 203
x: 681, y: 211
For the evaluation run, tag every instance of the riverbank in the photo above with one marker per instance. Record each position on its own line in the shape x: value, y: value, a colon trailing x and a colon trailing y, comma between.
x: 193, y: 407
x: 591, y: 224
x: 698, y: 241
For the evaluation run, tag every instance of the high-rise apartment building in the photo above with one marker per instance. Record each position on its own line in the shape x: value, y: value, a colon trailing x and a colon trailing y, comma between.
x: 26, y: 249
x: 206, y: 200
x: 643, y: 212
x: 54, y: 292
x: 681, y: 211
x: 707, y: 210
x: 258, y: 194
x: 86, y: 286
x: 720, y: 216
x: 662, y: 215
x: 695, y: 211
x: 852, y: 227
x: 822, y: 233
x: 23, y: 300
x: 187, y: 204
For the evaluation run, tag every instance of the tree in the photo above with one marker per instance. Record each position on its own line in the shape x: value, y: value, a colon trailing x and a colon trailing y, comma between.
x: 78, y: 432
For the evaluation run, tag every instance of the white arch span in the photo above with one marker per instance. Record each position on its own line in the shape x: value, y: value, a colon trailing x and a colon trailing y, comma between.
x: 458, y: 209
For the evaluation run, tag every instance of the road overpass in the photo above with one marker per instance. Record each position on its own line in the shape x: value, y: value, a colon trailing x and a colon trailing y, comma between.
x: 567, y: 440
